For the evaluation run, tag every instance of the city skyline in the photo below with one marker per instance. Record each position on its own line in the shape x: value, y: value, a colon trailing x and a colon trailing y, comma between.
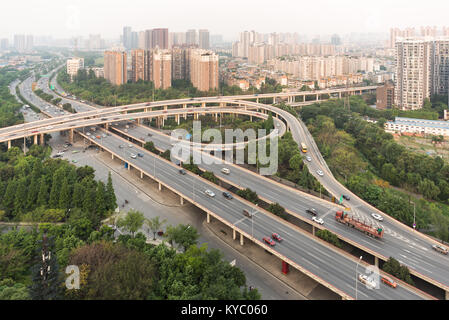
x: 80, y: 18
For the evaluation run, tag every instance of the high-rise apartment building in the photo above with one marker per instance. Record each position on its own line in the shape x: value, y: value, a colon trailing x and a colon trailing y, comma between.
x: 127, y: 37
x: 413, y: 72
x: 20, y: 42
x: 398, y: 33
x: 4, y: 44
x: 148, y: 39
x: 428, y: 31
x: 440, y: 66
x: 74, y: 65
x: 115, y: 67
x: 140, y: 65
x: 141, y: 40
x: 180, y: 66
x: 160, y: 68
x: 159, y: 38
x: 204, y: 69
x: 191, y: 38
x: 204, y: 39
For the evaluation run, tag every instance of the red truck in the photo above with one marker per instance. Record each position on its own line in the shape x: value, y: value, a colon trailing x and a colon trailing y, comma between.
x: 350, y: 221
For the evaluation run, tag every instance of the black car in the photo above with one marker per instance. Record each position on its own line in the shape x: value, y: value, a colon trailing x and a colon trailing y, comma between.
x: 182, y: 171
x: 346, y: 197
x: 227, y: 195
x: 140, y: 155
x: 311, y: 211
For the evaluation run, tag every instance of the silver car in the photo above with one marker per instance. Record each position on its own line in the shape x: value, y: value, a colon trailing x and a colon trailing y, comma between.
x: 320, y: 173
x: 210, y: 193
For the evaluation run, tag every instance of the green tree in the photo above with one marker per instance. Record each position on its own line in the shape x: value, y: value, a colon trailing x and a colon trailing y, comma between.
x: 184, y: 235
x: 101, y: 205
x: 154, y: 225
x: 64, y: 199
x: 111, y: 199
x: 42, y: 197
x: 132, y: 222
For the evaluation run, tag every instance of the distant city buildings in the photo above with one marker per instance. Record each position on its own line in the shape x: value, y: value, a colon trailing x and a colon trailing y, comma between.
x: 23, y: 42
x: 204, y: 39
x: 204, y: 72
x: 385, y: 96
x: 4, y: 44
x: 73, y: 66
x: 160, y: 68
x: 115, y: 67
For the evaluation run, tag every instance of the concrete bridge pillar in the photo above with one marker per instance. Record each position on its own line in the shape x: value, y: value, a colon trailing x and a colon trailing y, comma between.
x: 313, y: 230
x: 203, y: 104
x: 163, y: 121
x: 376, y: 261
x: 165, y: 109
x: 241, y: 239
x: 141, y: 174
x: 181, y: 200
x: 317, y: 97
x: 251, y: 118
x: 129, y: 166
x: 112, y: 156
x: 160, y: 186
x: 42, y: 141
x: 139, y: 121
x: 35, y: 139
x: 9, y: 144
x: 177, y: 119
x: 208, y: 218
x: 233, y: 234
x: 339, y: 95
x: 106, y: 126
x: 71, y: 136
x: 447, y: 295
x: 257, y: 100
x: 184, y: 106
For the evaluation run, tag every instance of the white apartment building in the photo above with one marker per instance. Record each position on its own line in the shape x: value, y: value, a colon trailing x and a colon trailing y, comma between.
x: 418, y: 126
x: 413, y: 72
x: 73, y: 65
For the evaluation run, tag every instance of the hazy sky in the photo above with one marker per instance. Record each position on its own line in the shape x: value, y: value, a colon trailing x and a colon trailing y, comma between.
x: 66, y: 18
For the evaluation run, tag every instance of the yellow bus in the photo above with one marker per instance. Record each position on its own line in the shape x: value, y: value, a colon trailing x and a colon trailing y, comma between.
x: 303, y: 147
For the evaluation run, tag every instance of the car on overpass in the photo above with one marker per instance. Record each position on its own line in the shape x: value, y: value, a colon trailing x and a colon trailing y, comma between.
x: 225, y: 171
x: 376, y: 216
x: 346, y: 197
x: 320, y: 173
x: 277, y: 237
x: 182, y: 171
x: 388, y: 281
x: 268, y: 240
x: 227, y: 195
x: 440, y: 249
x: 367, y: 281
x: 210, y: 193
x: 133, y: 156
x: 318, y: 220
x: 312, y: 211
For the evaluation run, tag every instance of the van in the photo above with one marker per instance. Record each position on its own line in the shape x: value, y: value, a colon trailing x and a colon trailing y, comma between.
x: 225, y: 171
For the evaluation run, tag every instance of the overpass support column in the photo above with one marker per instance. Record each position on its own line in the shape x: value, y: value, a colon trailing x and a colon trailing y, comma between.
x: 160, y: 186
x: 112, y: 156
x: 184, y: 106
x: 203, y: 104
x: 241, y: 239
x: 138, y: 121
x: 106, y: 126
x: 251, y: 118
x: 35, y: 139
x: 165, y: 109
x: 42, y: 139
x: 71, y: 136
x: 182, y: 200
x: 216, y: 117
x: 163, y: 121
x: 285, y: 267
x: 339, y: 95
x: 129, y: 166
x: 9, y: 144
x: 233, y: 234
x: 257, y: 100
x: 141, y: 174
x: 317, y: 97
x: 376, y: 261
x: 313, y: 230
x: 208, y: 218
x: 177, y: 119
x: 447, y: 295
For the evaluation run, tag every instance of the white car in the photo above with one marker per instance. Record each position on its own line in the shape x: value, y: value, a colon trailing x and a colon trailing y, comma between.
x: 209, y: 193
x: 365, y: 280
x: 133, y: 156
x: 376, y: 216
x: 225, y: 171
x: 309, y: 159
x: 320, y: 173
x: 87, y: 133
x: 318, y: 220
x: 130, y: 145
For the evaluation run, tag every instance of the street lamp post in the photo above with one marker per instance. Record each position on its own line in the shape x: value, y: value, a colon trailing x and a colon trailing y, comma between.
x: 414, y: 216
x: 252, y: 221
x: 356, y: 281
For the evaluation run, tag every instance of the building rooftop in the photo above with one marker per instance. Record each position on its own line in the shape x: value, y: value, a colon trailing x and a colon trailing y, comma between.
x: 421, y: 123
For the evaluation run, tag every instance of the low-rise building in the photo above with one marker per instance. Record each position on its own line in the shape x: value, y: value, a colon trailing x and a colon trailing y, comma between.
x: 418, y: 126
